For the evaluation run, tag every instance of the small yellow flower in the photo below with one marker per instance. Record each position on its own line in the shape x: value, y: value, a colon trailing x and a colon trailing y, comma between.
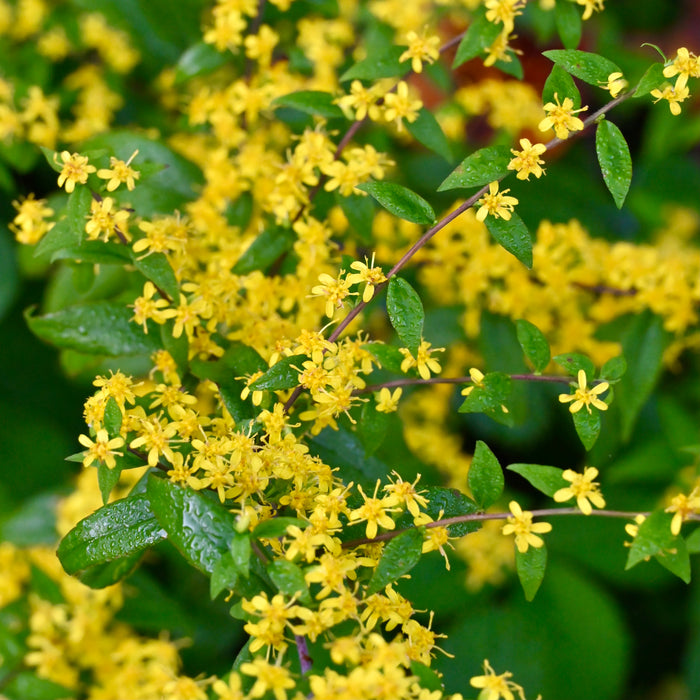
x: 477, y: 377
x: 423, y: 362
x: 334, y: 289
x: 685, y: 65
x: 615, y: 85
x: 495, y: 686
x: 583, y: 489
x: 420, y: 49
x: 495, y: 203
x: 102, y: 449
x: 75, y: 170
x: 120, y: 172
x: 369, y: 274
x: 683, y: 506
x: 583, y: 396
x: 560, y: 117
x: 520, y: 524
x: 388, y: 402
x: 399, y: 106
x: 527, y: 162
x: 674, y: 95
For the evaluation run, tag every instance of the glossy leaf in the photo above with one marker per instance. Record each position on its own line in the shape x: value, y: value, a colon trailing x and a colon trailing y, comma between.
x: 676, y: 560
x: 199, y: 527
x: 452, y: 503
x: 289, y: 579
x: 313, y: 102
x: 400, y: 201
x: 614, y: 369
x: 281, y: 375
x: 277, y: 527
x: 112, y: 418
x: 241, y: 550
x: 546, y: 479
x: 490, y: 398
x: 387, y: 355
x: 560, y: 85
x: 531, y: 566
x: 115, y: 531
x: 372, y: 427
x: 200, y: 59
x: 428, y: 131
x: 614, y: 159
x: 224, y: 576
x: 406, y: 313
x: 589, y: 67
x: 479, y: 36
x: 587, y: 426
x: 98, y: 328
x: 568, y: 22
x: 654, y: 537
x: 95, y: 252
x: 534, y: 344
x: 264, y: 250
x: 385, y: 64
x: 572, y: 362
x: 399, y: 556
x: 651, y: 80
x: 512, y: 235
x: 107, y: 479
x: 485, y: 478
x: 69, y: 231
x: 359, y: 211
x: 479, y: 168
x: 157, y: 268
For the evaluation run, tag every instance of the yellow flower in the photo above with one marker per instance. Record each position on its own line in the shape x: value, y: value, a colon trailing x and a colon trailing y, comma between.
x: 615, y: 85
x: 683, y: 506
x: 495, y: 203
x: 335, y: 290
x: 420, y: 48
x: 527, y: 162
x: 367, y: 273
x: 103, y: 220
x: 477, y: 377
x: 119, y: 173
x: 685, y: 65
x: 423, y: 361
x: 388, y: 402
x: 375, y: 511
x: 583, y: 396
x: 674, y: 95
x: 560, y: 117
x: 525, y: 531
x: 75, y: 170
x: 495, y: 686
x: 590, y: 7
x: 504, y: 11
x: 583, y: 489
x: 102, y: 450
x: 399, y: 106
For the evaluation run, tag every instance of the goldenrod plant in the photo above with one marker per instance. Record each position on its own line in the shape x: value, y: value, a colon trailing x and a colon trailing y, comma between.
x: 386, y: 357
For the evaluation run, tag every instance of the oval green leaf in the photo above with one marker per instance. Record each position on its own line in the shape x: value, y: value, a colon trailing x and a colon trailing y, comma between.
x: 400, y: 201
x: 558, y: 86
x: 480, y: 168
x: 544, y: 478
x: 534, y: 344
x: 385, y: 64
x: 406, y: 313
x: 485, y: 478
x: 428, y: 131
x: 614, y: 159
x: 313, y: 102
x: 587, y: 426
x: 589, y: 67
x: 157, y: 268
x: 512, y: 235
x: 399, y: 556
x: 282, y: 375
x: 478, y: 38
x: 568, y: 22
x: 531, y: 566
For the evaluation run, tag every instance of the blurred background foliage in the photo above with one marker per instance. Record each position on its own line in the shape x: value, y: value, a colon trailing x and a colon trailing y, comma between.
x: 594, y: 630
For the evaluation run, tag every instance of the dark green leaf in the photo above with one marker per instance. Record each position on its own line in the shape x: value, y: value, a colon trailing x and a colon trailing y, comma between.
x: 614, y: 159
x: 112, y: 417
x: 406, y: 313
x: 382, y: 65
x: 587, y: 426
x: 428, y: 677
x: 614, y: 369
x: 693, y: 542
x: 224, y: 576
x: 52, y: 158
x: 399, y: 556
x: 199, y: 527
x: 490, y: 398
x: 651, y: 80
x: 33, y: 523
x: 531, y: 566
x: 264, y: 250
x: 70, y: 230
x: 653, y: 537
x: 428, y: 131
x: 282, y: 375
x: 676, y: 560
x: 240, y: 549
x: 546, y: 479
x: 589, y: 67
x: 400, y: 201
x: 115, y: 531
x: 479, y: 37
x: 534, y: 344
x: 372, y: 427
x: 156, y: 268
x: 96, y: 252
x: 26, y: 685
x: 572, y: 362
x: 479, y: 168
x: 178, y: 348
x: 289, y: 579
x: 277, y: 527
x: 451, y: 503
x: 389, y: 356
x: 200, y: 59
x: 312, y: 102
x: 485, y: 478
x: 97, y: 328
x: 568, y: 20
x: 107, y: 479
x: 560, y: 85
x: 359, y: 211
x: 513, y: 236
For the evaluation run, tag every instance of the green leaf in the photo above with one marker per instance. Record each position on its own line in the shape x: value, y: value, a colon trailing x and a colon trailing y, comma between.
x: 281, y: 375
x: 157, y: 268
x: 200, y: 528
x: 224, y: 576
x: 406, y: 313
x: 388, y: 356
x: 451, y: 503
x: 614, y: 159
x: 428, y: 131
x: 693, y: 542
x: 95, y: 252
x: 25, y: 685
x: 572, y: 362
x: 560, y: 85
x: 652, y: 79
x: 372, y: 427
x: 568, y: 21
x: 289, y: 579
x: 399, y: 556
x: 277, y: 527
x: 52, y: 158
x: 676, y: 560
x: 587, y: 426
x: 385, y: 64
x: 653, y: 537
x: 97, y: 328
x: 531, y: 566
x: 589, y: 67
x: 111, y: 534
x: 107, y: 479
x: 32, y: 523
x: 428, y: 677
x: 241, y: 550
x: 264, y: 250
x: 199, y: 59
x: 534, y: 344
x: 479, y: 37
x: 513, y: 236
x: 70, y: 230
x: 359, y: 211
x: 643, y: 347
x: 614, y: 369
x: 313, y: 102
x: 490, y: 398
x: 400, y: 201
x: 112, y: 417
x: 485, y: 478
x: 479, y: 168
x: 546, y: 479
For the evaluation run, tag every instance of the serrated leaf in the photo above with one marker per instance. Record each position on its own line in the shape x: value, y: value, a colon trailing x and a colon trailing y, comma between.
x: 479, y: 168
x: 200, y: 528
x: 388, y: 356
x: 479, y: 36
x: 485, y: 478
x: 281, y: 375
x: 490, y: 397
x: 428, y: 131
x: 652, y: 79
x: 199, y: 59
x: 400, y: 201
x: 97, y: 328
x: 534, y: 344
x: 614, y: 369
x: 531, y: 566
x: 70, y: 230
x: 157, y: 268
x: 406, y: 313
x: 572, y: 362
x: 589, y: 67
x: 313, y: 102
x: 560, y: 85
x: 382, y: 65
x: 289, y: 579
x: 450, y: 503
x: 264, y: 250
x: 544, y: 478
x: 512, y: 235
x: 277, y: 527
x: 568, y: 22
x: 399, y: 556
x: 116, y: 531
x: 653, y: 537
x: 614, y: 159
x: 587, y: 426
